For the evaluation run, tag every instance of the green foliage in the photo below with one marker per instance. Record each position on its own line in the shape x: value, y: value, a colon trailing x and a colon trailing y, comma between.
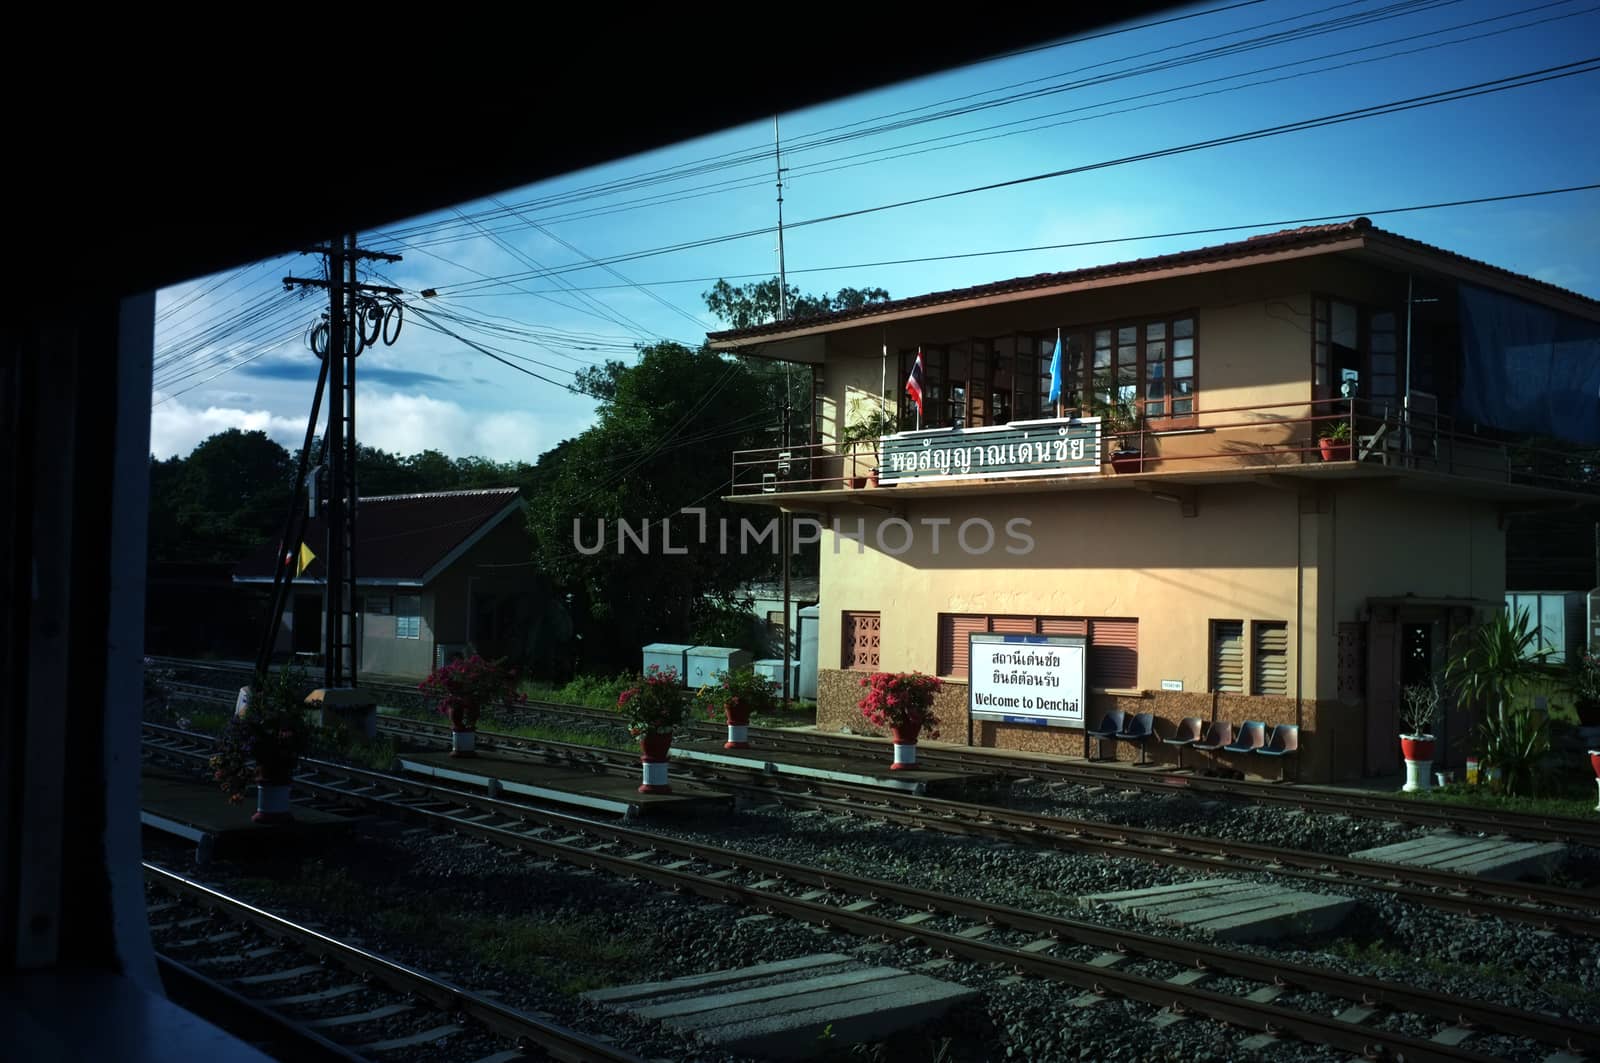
x: 1513, y: 740
x: 1338, y: 431
x: 267, y: 737
x: 757, y: 303
x: 222, y: 501
x: 596, y: 692
x: 1585, y: 682
x: 737, y: 695
x: 654, y: 704
x: 1491, y: 663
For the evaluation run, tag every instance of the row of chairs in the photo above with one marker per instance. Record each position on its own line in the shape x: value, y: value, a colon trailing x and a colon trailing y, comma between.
x: 1193, y: 733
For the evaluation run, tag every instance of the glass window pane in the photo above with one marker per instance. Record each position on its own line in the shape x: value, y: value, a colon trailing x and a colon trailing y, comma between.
x: 1154, y: 353
x: 1127, y: 373
x: 1102, y: 357
x: 1344, y: 325
x: 1321, y: 374
x: 1155, y: 389
x: 1383, y: 363
x: 1322, y: 332
x: 1183, y: 348
x: 1128, y: 334
x: 1102, y: 338
x: 1183, y: 387
x: 1383, y: 322
x: 1155, y: 409
x: 1182, y: 406
x: 1183, y: 327
x: 1383, y: 341
x: 1127, y: 355
x: 1183, y: 367
x: 1155, y: 330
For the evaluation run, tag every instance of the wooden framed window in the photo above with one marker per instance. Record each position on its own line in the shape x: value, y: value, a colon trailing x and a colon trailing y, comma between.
x: 861, y: 633
x: 1227, y: 656
x: 1113, y: 643
x: 1269, y: 658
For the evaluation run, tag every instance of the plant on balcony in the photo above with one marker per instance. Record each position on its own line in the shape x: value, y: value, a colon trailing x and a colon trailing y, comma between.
x: 1335, y: 441
x: 870, y: 422
x: 1120, y: 421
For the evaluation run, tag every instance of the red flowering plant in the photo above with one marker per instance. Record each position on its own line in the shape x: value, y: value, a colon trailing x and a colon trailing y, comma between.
x: 468, y: 685
x: 654, y: 704
x: 901, y: 699
x: 736, y: 695
x: 266, y: 737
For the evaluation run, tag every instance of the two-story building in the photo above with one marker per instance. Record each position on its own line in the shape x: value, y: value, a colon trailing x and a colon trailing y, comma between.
x: 1176, y: 507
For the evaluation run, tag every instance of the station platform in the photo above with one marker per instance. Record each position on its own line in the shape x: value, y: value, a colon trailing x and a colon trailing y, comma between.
x: 181, y: 805
x: 562, y: 784
x: 831, y: 768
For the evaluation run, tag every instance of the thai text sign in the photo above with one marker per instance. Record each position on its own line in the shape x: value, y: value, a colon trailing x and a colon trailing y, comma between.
x: 1034, y: 679
x: 1021, y: 448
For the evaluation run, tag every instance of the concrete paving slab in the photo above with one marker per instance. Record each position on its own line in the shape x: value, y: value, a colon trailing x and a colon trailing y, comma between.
x: 1231, y: 909
x: 1497, y: 858
x: 779, y: 1010
x: 563, y: 784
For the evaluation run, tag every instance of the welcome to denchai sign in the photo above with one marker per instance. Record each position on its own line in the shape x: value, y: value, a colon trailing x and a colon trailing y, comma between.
x: 1035, y: 679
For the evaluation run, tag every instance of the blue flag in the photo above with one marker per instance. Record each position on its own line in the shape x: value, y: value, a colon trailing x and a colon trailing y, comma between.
x: 1055, y: 373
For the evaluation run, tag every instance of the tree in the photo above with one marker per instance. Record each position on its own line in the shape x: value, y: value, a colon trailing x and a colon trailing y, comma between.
x: 757, y: 303
x: 221, y: 501
x: 662, y: 439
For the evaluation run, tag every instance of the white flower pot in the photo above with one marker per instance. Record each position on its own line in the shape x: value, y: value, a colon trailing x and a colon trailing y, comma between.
x: 1416, y: 775
x: 272, y: 803
x: 463, y: 743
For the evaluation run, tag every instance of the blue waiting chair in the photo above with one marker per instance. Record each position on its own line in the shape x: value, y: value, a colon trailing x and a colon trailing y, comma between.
x: 1284, y: 742
x: 1218, y: 735
x: 1110, y: 724
x: 1139, y: 728
x: 1190, y: 731
x: 1252, y: 736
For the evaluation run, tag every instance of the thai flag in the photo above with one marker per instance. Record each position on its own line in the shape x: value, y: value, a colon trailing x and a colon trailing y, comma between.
x: 914, y: 382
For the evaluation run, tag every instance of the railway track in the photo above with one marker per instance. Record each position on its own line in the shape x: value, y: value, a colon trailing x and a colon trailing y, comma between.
x: 1546, y: 907
x: 1165, y: 973
x: 1471, y: 819
x: 310, y: 997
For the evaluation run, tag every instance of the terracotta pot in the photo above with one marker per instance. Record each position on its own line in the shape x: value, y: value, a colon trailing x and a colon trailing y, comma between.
x: 1127, y: 461
x: 905, y: 746
x: 653, y: 763
x: 1594, y: 761
x: 1333, y: 450
x: 1417, y: 747
x: 463, y: 743
x: 855, y: 481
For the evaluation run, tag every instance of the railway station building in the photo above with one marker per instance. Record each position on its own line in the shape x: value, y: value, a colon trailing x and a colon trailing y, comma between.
x: 1179, y: 509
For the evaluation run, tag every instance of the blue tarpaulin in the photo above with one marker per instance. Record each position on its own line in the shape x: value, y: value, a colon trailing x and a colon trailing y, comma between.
x: 1529, y: 369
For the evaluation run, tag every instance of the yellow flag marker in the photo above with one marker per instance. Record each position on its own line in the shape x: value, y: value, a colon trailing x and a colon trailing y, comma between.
x: 306, y: 557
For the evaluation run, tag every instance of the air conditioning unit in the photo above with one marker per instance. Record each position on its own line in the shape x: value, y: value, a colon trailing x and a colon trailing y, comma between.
x: 445, y: 652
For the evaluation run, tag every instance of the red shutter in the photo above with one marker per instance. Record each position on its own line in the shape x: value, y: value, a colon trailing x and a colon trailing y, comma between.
x: 861, y: 635
x: 1114, y: 654
x: 953, y: 632
x: 1013, y: 625
x: 1061, y: 625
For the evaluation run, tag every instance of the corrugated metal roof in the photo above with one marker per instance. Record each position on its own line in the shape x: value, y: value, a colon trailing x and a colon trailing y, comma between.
x: 1308, y: 236
x: 398, y: 537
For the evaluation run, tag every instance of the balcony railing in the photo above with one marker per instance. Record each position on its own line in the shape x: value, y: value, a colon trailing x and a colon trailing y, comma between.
x: 1282, y: 435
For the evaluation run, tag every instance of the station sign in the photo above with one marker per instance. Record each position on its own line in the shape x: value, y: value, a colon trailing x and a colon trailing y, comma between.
x: 1021, y: 448
x: 1032, y: 679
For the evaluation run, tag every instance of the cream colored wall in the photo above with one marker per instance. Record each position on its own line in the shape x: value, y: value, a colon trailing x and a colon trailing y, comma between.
x: 1101, y: 553
x: 1386, y: 542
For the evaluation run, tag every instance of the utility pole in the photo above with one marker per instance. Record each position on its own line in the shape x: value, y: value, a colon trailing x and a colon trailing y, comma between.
x: 783, y: 279
x: 353, y: 313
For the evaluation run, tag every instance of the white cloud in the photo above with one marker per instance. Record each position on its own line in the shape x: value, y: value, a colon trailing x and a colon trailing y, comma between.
x: 406, y: 424
x: 175, y: 429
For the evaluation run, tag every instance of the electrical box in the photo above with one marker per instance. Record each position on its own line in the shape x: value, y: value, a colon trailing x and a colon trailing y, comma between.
x: 664, y: 655
x: 704, y: 662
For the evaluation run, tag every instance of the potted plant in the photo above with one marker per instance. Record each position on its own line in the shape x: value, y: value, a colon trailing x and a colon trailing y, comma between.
x: 1594, y: 762
x: 1489, y: 666
x: 464, y: 688
x: 871, y: 422
x: 1586, y: 689
x: 1335, y: 441
x: 732, y: 698
x: 902, y: 702
x: 1418, y: 711
x: 1119, y: 425
x: 262, y: 743
x: 653, y: 706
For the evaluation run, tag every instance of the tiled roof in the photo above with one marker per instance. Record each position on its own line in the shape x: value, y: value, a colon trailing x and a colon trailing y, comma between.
x: 398, y: 537
x: 1284, y: 240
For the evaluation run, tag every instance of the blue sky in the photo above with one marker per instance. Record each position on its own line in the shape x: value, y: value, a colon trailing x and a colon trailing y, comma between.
x: 230, y: 352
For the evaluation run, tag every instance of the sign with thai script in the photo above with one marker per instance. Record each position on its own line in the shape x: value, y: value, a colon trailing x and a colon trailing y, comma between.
x: 1035, y: 679
x: 1021, y: 448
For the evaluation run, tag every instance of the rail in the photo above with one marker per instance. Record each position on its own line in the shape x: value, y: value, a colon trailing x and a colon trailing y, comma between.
x: 1264, y: 436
